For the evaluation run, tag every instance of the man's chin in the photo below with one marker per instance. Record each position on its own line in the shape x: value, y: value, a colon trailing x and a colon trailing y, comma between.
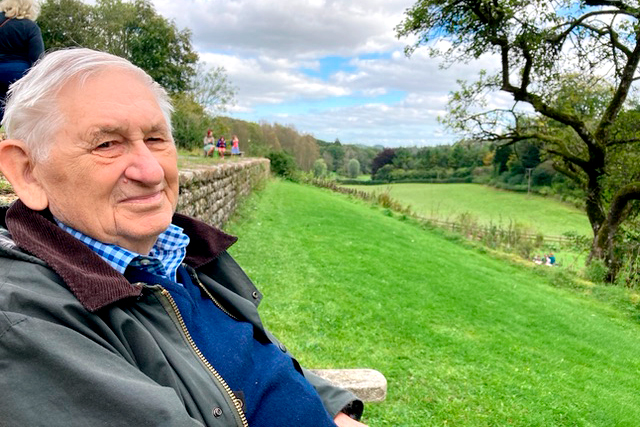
x: 146, y: 226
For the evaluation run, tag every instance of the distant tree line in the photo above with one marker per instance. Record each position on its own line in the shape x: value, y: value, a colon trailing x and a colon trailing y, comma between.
x: 517, y: 167
x: 346, y: 159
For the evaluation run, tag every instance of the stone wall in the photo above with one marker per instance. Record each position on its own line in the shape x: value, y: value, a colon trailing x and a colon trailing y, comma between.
x: 211, y: 194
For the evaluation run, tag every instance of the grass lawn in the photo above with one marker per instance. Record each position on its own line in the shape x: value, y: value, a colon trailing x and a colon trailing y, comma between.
x: 486, y: 204
x: 464, y: 339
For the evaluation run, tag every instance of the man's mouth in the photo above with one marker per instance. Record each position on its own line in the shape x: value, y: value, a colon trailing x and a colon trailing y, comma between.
x: 144, y: 198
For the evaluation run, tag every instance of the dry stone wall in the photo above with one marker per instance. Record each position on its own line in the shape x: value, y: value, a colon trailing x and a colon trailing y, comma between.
x: 211, y: 194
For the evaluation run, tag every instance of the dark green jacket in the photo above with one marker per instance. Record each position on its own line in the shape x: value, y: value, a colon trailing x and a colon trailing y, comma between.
x: 81, y: 346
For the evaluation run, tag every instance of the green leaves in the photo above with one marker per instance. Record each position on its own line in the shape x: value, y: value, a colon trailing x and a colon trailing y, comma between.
x: 132, y: 30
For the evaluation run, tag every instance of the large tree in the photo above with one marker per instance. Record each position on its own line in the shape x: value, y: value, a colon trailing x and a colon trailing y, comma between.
x: 132, y: 30
x: 573, y: 64
x: 212, y: 89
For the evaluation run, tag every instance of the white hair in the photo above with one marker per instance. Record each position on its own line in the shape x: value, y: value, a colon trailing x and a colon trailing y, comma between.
x: 31, y: 111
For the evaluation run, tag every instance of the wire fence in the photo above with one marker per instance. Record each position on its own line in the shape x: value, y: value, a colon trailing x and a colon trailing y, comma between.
x: 480, y: 230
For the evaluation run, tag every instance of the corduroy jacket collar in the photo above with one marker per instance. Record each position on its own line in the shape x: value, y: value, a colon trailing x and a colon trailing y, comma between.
x: 94, y: 282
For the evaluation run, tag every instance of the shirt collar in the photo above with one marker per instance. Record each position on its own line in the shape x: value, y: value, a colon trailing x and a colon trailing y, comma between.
x: 164, y: 259
x: 92, y: 280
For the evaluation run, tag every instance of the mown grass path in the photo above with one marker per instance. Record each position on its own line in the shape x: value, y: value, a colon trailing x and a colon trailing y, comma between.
x: 464, y: 339
x: 486, y: 204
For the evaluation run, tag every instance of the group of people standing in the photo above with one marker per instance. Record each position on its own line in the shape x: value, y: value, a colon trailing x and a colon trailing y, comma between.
x: 20, y: 42
x: 210, y: 145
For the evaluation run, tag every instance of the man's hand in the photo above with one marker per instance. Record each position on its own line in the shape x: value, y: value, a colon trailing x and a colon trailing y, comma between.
x: 343, y: 420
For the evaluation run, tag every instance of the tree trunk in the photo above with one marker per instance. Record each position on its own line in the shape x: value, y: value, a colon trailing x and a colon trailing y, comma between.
x: 603, y: 248
x: 604, y: 239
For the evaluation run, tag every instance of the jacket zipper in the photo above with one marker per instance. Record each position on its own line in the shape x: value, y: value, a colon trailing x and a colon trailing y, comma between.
x: 195, y: 276
x: 214, y: 372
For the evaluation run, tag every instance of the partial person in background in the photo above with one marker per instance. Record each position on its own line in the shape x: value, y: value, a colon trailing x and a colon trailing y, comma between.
x: 235, y: 146
x: 20, y: 42
x: 209, y: 143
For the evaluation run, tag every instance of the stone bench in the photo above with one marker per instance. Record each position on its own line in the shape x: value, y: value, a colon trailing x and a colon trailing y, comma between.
x: 368, y: 384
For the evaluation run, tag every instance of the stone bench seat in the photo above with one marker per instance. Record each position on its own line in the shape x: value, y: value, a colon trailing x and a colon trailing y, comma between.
x: 368, y: 384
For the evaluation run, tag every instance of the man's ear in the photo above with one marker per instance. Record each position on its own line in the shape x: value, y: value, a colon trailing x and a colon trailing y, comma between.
x: 17, y: 166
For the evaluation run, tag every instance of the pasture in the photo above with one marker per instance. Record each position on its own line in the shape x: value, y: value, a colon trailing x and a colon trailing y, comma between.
x: 463, y: 338
x: 487, y: 205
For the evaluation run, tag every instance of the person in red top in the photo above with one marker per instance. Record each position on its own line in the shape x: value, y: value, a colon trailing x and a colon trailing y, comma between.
x: 235, y: 146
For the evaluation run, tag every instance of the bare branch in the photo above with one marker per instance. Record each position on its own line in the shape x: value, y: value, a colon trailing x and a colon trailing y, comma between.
x: 580, y: 23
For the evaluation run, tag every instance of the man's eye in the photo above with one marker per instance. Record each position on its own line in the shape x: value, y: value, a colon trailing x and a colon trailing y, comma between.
x: 105, y: 145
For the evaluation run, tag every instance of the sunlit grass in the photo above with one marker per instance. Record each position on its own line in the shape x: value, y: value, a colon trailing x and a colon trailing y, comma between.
x: 463, y: 338
x: 486, y: 204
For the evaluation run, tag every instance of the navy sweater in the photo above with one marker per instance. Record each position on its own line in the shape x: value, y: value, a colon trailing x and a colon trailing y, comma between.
x: 273, y: 391
x: 20, y: 40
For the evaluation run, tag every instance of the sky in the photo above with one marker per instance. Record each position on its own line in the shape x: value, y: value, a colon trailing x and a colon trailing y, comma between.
x: 332, y: 69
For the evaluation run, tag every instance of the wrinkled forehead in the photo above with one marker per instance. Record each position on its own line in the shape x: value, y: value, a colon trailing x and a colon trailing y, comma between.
x: 117, y: 77
x: 106, y: 96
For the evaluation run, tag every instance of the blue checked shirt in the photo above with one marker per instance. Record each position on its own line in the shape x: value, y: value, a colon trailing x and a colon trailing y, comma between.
x: 164, y: 259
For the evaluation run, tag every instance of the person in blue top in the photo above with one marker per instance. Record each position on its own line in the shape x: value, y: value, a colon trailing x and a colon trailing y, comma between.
x: 222, y: 147
x: 20, y: 41
x: 114, y: 309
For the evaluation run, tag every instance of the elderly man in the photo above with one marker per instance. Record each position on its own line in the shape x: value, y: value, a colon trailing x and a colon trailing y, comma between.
x: 114, y: 310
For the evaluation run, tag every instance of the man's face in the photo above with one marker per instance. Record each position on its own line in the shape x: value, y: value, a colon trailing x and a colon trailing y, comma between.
x: 112, y: 169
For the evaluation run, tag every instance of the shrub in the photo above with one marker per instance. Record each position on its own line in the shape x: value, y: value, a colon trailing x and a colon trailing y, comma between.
x: 384, y: 173
x: 283, y: 164
x: 462, y: 172
x: 516, y: 179
x: 319, y: 168
x: 542, y: 175
x: 353, y: 168
x: 596, y: 271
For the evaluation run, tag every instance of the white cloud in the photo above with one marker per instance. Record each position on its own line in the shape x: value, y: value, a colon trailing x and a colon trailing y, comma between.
x: 292, y: 27
x: 266, y: 46
x: 272, y: 81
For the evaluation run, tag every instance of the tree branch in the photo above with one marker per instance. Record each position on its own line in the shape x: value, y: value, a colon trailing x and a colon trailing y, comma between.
x: 579, y: 22
x: 621, y: 93
x: 568, y: 170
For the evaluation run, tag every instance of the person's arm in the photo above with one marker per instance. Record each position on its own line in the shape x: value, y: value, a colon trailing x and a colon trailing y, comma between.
x: 36, y: 45
x: 335, y: 399
x: 53, y: 375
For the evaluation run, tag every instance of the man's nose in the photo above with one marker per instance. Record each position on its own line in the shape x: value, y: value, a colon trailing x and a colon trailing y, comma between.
x: 144, y: 167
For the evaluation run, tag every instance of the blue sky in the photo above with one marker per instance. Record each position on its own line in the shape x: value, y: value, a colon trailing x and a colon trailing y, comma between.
x: 333, y: 69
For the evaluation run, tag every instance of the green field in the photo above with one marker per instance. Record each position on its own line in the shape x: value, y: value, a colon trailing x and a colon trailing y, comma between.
x: 486, y: 204
x: 463, y: 338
